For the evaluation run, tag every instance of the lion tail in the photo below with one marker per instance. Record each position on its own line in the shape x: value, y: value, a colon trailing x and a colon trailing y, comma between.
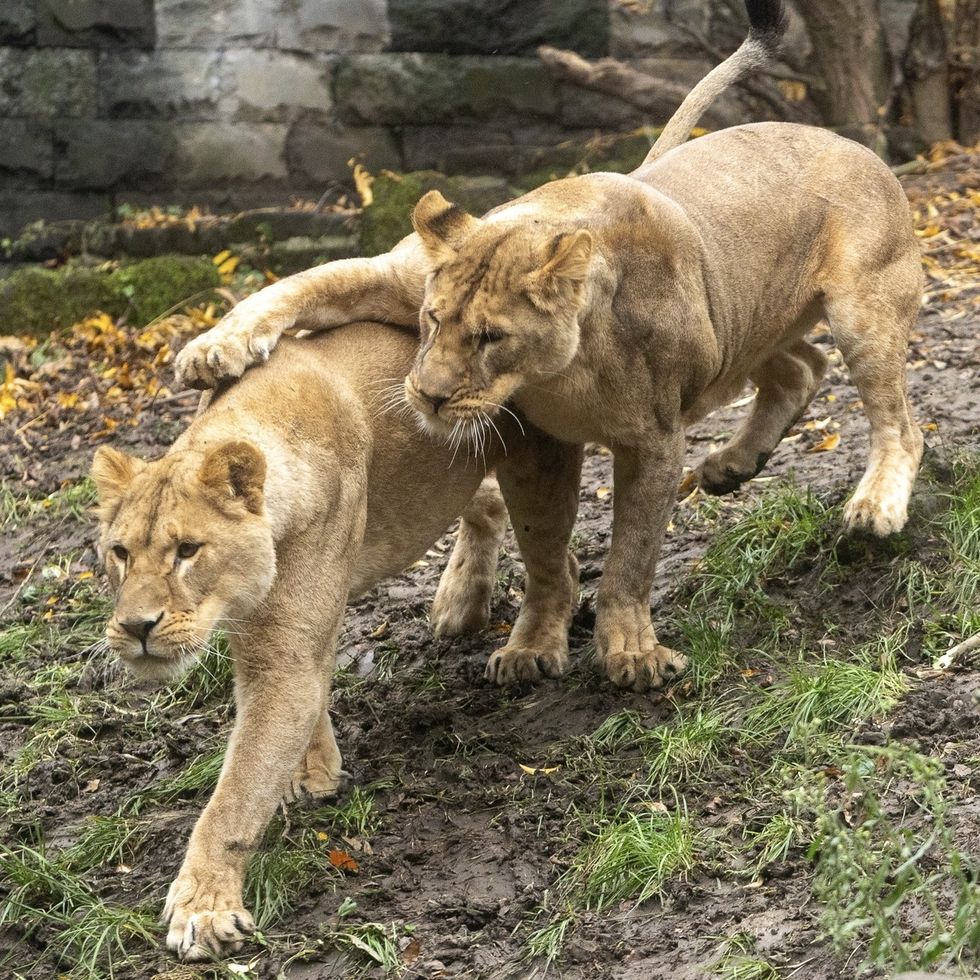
x: 767, y: 19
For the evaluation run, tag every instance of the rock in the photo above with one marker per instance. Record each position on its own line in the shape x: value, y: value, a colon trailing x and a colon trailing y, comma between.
x: 297, y: 254
x: 460, y: 149
x: 413, y: 89
x: 27, y: 147
x: 40, y: 241
x: 215, y: 24
x: 271, y: 86
x: 389, y: 218
x: 46, y: 83
x: 156, y: 285
x: 499, y: 26
x: 320, y: 152
x: 207, y: 153
x: 19, y: 207
x: 95, y: 153
x: 277, y: 225
x: 34, y: 300
x: 335, y: 25
x: 161, y: 84
x: 18, y: 22
x: 96, y: 23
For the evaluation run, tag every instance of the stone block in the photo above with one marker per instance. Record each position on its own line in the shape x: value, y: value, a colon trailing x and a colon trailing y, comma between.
x: 207, y: 153
x: 283, y: 224
x: 160, y: 84
x: 26, y: 148
x: 96, y: 23
x: 657, y: 29
x: 406, y: 89
x: 20, y: 207
x: 18, y: 22
x: 335, y: 25
x: 499, y: 26
x: 100, y: 154
x: 319, y: 153
x: 45, y: 83
x: 212, y: 24
x: 274, y: 86
x: 582, y: 108
x: 459, y: 149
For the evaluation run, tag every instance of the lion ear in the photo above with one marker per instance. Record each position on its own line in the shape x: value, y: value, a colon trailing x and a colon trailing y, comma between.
x: 236, y: 470
x: 442, y: 226
x: 567, y: 268
x: 112, y: 474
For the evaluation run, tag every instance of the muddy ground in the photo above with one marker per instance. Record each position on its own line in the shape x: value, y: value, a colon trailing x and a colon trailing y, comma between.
x: 464, y: 847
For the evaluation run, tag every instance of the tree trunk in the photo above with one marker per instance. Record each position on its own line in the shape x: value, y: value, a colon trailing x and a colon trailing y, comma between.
x: 851, y: 52
x: 964, y: 70
x: 926, y: 71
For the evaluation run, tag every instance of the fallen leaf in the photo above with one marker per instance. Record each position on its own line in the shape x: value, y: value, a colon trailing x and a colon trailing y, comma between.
x: 532, y: 770
x: 827, y: 444
x: 603, y: 492
x: 343, y: 861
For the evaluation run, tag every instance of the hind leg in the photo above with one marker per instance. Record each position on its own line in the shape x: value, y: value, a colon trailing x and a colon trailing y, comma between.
x: 462, y: 602
x: 872, y: 334
x: 787, y: 382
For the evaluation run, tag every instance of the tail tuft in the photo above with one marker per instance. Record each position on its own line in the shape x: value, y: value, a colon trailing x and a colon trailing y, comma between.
x: 768, y: 22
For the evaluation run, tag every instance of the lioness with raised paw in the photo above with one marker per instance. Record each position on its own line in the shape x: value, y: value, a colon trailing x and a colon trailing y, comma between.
x: 269, y: 538
x: 621, y: 309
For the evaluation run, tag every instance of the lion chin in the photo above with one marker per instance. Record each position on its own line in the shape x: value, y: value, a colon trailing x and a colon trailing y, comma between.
x: 157, y: 668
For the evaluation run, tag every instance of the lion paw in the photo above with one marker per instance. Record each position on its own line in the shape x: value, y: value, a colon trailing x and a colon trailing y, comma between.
x: 725, y: 471
x: 315, y: 784
x: 524, y: 665
x: 227, y: 350
x: 460, y: 607
x: 204, y: 924
x: 645, y: 670
x: 878, y: 514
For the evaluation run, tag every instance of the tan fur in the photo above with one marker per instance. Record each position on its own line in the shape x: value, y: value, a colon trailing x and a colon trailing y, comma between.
x: 329, y: 493
x: 621, y: 309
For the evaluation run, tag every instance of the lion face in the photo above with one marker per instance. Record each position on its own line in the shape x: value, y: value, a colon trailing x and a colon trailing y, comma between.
x: 187, y: 549
x: 501, y: 308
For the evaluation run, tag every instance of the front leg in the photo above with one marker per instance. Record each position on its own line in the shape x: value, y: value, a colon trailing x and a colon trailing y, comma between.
x: 276, y: 716
x: 387, y: 287
x: 645, y: 487
x: 539, y: 479
x: 283, y: 665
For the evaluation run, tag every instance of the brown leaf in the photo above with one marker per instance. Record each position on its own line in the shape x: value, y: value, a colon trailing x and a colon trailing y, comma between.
x: 343, y: 861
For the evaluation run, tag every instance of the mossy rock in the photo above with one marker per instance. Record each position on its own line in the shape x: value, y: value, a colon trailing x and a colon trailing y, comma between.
x: 620, y: 154
x: 155, y: 286
x: 36, y: 301
x: 388, y: 219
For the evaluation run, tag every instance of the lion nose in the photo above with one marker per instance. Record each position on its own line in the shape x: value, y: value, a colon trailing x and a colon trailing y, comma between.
x: 140, y: 628
x: 436, y: 401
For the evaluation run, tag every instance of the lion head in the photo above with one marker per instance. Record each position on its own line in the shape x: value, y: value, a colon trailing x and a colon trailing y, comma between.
x: 187, y: 548
x: 501, y: 307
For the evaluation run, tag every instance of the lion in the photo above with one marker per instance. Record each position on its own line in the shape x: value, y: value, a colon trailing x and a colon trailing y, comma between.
x: 620, y: 309
x: 292, y: 491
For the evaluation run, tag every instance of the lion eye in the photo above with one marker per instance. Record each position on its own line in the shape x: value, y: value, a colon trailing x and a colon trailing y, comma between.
x: 490, y: 336
x: 187, y: 549
x: 120, y: 552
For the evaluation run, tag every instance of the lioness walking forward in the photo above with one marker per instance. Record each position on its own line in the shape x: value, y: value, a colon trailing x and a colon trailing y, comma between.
x: 621, y: 309
x: 267, y: 539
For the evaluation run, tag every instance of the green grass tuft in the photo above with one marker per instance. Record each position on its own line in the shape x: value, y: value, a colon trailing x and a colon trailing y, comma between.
x: 632, y: 857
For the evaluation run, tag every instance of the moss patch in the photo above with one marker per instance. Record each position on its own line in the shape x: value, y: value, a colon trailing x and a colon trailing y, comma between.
x: 389, y: 218
x: 37, y: 301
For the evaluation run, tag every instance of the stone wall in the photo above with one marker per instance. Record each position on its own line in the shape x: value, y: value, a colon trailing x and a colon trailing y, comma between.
x: 240, y: 102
